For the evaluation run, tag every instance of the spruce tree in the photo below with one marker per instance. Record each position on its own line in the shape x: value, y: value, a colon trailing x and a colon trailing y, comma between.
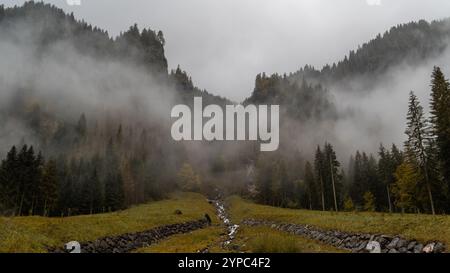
x: 114, y: 188
x: 418, y: 143
x: 48, y: 188
x: 319, y: 166
x: 358, y: 184
x: 311, y: 187
x: 440, y: 119
x: 9, y: 172
x: 386, y: 173
x: 333, y: 178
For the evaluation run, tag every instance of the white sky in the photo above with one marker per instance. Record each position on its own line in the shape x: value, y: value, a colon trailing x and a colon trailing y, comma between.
x: 223, y: 44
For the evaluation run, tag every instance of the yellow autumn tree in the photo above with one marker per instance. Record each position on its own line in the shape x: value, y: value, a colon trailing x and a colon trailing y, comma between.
x: 369, y: 201
x: 188, y: 180
x: 405, y: 186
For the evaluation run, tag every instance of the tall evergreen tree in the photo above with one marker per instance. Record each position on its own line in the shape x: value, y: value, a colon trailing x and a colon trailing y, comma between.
x: 387, y: 165
x: 286, y: 185
x: 311, y: 187
x: 264, y: 180
x: 333, y: 177
x: 114, y: 188
x: 418, y: 143
x: 82, y: 126
x: 9, y: 172
x: 358, y: 184
x: 48, y: 188
x: 440, y: 119
x: 319, y: 167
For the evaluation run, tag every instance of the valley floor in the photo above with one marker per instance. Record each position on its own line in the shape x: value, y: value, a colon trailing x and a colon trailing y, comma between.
x: 37, y: 234
x: 421, y: 227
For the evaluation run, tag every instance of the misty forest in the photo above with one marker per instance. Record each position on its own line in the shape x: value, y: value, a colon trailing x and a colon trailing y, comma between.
x: 85, y: 124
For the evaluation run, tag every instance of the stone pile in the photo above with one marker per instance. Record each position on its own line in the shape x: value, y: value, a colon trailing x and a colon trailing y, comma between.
x: 355, y: 242
x: 130, y: 241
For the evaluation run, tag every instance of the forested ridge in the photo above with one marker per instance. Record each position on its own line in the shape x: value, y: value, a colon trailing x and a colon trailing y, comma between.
x: 105, y: 157
x: 411, y: 42
x: 79, y: 164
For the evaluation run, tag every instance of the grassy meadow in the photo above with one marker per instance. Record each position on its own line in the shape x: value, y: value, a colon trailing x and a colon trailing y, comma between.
x: 421, y: 227
x: 35, y: 233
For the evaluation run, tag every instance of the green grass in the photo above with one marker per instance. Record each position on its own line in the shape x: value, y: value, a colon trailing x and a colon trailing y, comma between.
x: 190, y: 242
x: 267, y: 240
x: 413, y: 226
x: 34, y: 233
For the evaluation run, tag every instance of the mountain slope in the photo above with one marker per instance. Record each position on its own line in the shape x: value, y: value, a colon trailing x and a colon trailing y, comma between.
x: 305, y: 90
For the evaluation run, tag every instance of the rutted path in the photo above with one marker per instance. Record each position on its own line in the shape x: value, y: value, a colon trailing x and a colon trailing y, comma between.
x: 131, y: 241
x: 355, y: 242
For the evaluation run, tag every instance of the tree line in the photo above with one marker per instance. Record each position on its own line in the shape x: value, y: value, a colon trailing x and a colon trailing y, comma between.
x: 30, y: 185
x: 86, y: 171
x: 413, y: 179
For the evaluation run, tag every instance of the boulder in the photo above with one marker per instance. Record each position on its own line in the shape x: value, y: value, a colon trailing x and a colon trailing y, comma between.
x: 418, y: 248
x: 428, y: 248
x: 393, y: 243
x: 411, y: 245
x: 402, y: 250
x: 401, y: 243
x: 439, y: 247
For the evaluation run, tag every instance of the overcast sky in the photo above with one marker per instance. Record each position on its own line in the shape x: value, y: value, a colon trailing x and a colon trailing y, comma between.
x: 223, y: 44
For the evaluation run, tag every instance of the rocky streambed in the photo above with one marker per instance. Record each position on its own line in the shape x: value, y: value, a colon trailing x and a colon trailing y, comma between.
x: 223, y: 216
x: 131, y: 241
x: 355, y: 242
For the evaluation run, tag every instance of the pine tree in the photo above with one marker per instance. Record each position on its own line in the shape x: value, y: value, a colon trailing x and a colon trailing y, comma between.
x: 311, y: 188
x: 114, y: 188
x: 387, y: 165
x: 286, y: 185
x: 9, y: 172
x: 440, y: 119
x: 319, y: 167
x: 264, y: 181
x: 82, y: 126
x: 27, y: 180
x: 333, y: 177
x: 386, y: 173
x: 358, y: 184
x: 418, y: 143
x: 48, y: 188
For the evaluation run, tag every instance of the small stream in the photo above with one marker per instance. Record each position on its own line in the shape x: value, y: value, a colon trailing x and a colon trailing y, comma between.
x: 231, y: 228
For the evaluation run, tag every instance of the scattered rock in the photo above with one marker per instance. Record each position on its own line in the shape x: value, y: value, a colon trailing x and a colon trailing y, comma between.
x: 418, y: 248
x: 411, y: 245
x: 393, y: 243
x: 401, y: 243
x: 428, y: 248
x: 403, y: 250
x: 373, y: 247
x: 439, y: 247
